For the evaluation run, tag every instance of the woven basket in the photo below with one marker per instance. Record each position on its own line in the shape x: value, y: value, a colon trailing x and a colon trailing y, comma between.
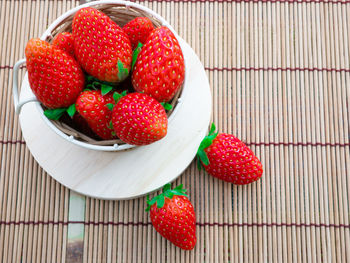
x: 121, y: 14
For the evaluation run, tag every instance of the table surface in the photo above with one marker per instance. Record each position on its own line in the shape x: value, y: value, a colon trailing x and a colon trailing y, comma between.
x: 280, y: 77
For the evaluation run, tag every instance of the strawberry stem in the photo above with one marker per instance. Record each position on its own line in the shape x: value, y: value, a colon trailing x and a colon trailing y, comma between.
x: 159, y: 200
x: 206, y: 142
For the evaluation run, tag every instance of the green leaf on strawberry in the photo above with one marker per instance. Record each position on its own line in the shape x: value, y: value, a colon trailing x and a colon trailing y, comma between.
x: 110, y: 106
x: 166, y: 106
x: 110, y: 125
x: 117, y: 96
x: 105, y: 89
x: 166, y: 187
x: 206, y: 142
x: 54, y: 114
x: 167, y: 192
x: 122, y: 71
x: 95, y: 83
x: 71, y: 110
x: 136, y: 52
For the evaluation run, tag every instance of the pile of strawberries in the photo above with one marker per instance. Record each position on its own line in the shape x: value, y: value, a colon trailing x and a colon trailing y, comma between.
x: 113, y: 82
x: 86, y: 75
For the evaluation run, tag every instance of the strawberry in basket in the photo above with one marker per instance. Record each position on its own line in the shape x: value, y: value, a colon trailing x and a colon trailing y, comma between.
x: 65, y: 42
x: 139, y: 119
x: 101, y: 47
x: 55, y: 77
x: 138, y: 30
x: 225, y: 157
x: 94, y: 108
x: 160, y: 68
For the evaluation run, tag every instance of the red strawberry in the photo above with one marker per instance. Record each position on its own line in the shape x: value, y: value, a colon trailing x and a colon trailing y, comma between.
x: 55, y: 77
x: 101, y: 46
x: 227, y: 158
x: 173, y: 217
x: 65, y: 42
x: 139, y: 119
x: 138, y: 30
x: 81, y: 125
x: 160, y: 69
x: 92, y: 106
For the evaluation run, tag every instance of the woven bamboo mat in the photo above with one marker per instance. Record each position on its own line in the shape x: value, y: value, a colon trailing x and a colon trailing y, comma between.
x: 280, y: 78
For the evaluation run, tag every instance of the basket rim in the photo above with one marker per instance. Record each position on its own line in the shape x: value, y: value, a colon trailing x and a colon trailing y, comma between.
x: 48, y: 34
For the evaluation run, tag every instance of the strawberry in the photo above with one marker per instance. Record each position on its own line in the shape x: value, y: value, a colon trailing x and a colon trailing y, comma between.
x: 139, y: 119
x: 227, y: 158
x: 160, y: 69
x: 93, y: 107
x: 101, y: 46
x: 81, y: 125
x: 138, y: 30
x: 65, y: 42
x: 172, y: 215
x: 55, y: 77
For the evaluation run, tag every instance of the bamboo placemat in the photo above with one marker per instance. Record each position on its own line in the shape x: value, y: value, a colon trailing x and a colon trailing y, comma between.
x: 280, y: 78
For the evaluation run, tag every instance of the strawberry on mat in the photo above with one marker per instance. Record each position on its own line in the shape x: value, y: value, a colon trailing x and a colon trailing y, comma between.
x: 55, y: 77
x: 225, y: 157
x: 173, y: 216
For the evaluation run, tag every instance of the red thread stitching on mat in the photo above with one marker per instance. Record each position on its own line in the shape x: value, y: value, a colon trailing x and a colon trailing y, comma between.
x: 250, y: 69
x: 247, y: 1
x: 252, y: 143
x: 278, y: 68
x: 198, y: 224
x: 12, y: 142
x: 296, y: 144
x: 6, y: 67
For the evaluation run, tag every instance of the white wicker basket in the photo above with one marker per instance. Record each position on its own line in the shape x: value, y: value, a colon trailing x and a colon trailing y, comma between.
x: 121, y: 12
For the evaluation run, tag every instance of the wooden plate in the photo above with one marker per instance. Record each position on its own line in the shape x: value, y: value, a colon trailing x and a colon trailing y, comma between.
x: 130, y: 173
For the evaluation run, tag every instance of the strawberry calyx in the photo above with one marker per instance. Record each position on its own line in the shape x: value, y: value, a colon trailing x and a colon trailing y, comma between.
x: 206, y: 142
x: 110, y: 126
x: 122, y: 71
x: 96, y: 84
x: 167, y: 192
x: 71, y: 110
x: 135, y: 53
x: 166, y: 106
x: 117, y: 96
x: 110, y: 106
x: 55, y: 114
